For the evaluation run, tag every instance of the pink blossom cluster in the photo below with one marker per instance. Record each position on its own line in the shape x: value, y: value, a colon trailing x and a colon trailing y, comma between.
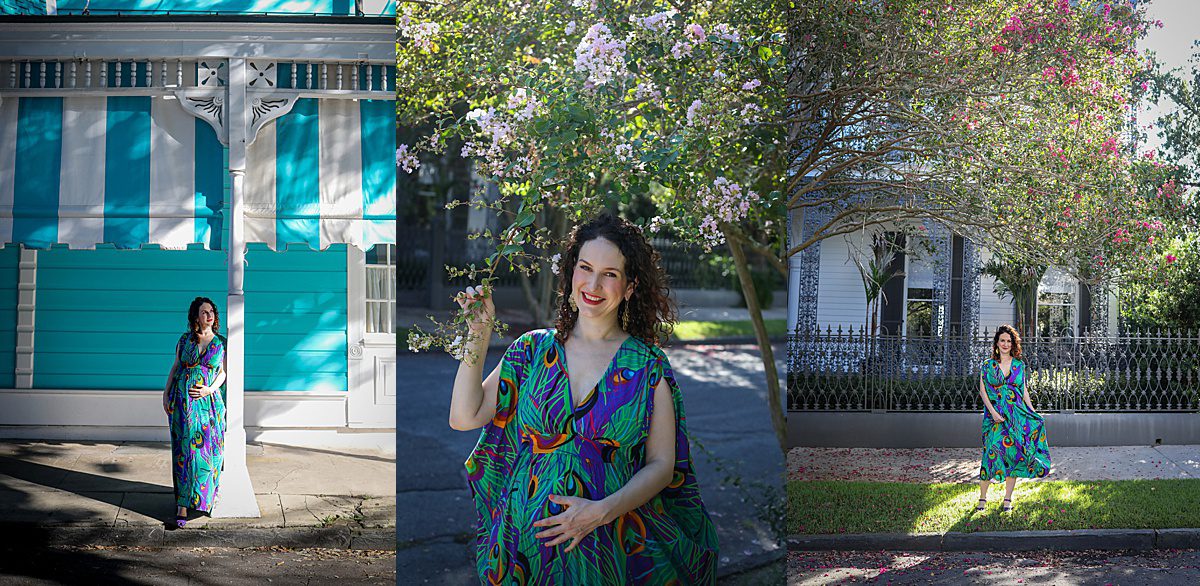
x: 693, y: 112
x: 422, y: 34
x: 492, y: 124
x: 724, y: 202
x: 659, y: 23
x: 658, y: 223
x: 693, y: 36
x: 522, y: 105
x: 681, y: 49
x: 624, y: 152
x: 726, y: 32
x: 1109, y: 147
x: 1168, y: 189
x: 406, y: 160
x: 601, y: 56
x: 647, y: 90
x: 498, y: 130
x: 750, y: 113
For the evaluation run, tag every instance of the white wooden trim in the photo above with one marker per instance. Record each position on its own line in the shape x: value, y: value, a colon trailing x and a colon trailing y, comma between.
x: 26, y: 317
x: 171, y: 40
x: 360, y: 386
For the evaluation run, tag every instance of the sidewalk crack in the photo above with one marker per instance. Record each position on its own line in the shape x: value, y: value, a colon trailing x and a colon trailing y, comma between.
x: 1168, y: 458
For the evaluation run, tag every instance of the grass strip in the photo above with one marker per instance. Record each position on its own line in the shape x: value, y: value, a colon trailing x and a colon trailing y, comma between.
x: 827, y: 507
x: 706, y: 330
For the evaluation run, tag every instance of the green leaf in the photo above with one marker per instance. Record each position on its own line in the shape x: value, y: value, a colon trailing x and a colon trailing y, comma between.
x: 524, y: 219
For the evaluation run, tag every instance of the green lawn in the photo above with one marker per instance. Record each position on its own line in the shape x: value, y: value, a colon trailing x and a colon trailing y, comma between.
x: 895, y: 507
x: 704, y: 330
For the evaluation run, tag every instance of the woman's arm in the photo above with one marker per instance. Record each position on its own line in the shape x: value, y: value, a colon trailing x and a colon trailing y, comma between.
x: 583, y: 516
x: 170, y: 381
x: 988, y: 402
x: 1025, y: 397
x: 473, y: 400
x: 218, y: 381
x: 171, y: 375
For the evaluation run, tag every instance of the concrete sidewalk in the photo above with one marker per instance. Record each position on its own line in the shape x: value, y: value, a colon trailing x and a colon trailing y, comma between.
x: 953, y: 465
x: 93, y: 493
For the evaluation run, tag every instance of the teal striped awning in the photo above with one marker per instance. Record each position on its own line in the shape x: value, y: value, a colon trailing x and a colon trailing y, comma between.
x: 134, y: 170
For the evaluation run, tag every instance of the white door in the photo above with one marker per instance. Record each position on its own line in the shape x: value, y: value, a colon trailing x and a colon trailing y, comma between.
x: 371, y: 307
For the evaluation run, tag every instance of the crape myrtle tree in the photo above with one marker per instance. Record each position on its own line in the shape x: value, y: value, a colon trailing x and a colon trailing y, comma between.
x: 570, y: 108
x: 1171, y: 299
x: 1009, y: 123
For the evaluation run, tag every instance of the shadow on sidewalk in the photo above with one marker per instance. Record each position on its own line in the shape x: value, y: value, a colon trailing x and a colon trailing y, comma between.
x: 27, y: 547
x: 151, y: 500
x: 357, y: 456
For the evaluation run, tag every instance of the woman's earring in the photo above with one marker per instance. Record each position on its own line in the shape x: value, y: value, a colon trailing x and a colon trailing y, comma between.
x: 571, y: 301
x: 625, y: 317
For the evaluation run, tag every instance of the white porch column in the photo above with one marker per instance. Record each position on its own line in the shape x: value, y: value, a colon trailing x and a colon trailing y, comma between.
x: 235, y: 493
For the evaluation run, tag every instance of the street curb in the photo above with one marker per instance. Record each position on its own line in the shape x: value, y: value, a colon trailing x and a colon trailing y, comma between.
x: 1061, y: 540
x: 752, y: 562
x: 868, y: 542
x: 23, y: 535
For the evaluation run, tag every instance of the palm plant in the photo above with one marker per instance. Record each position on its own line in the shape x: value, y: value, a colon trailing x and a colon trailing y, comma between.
x: 875, y: 273
x: 1020, y: 283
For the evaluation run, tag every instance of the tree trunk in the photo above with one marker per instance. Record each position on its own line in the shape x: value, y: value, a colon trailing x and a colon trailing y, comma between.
x: 778, y: 421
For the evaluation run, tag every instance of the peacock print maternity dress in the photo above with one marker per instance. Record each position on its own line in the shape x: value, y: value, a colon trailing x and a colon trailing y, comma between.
x: 1017, y: 447
x: 538, y: 445
x: 197, y: 425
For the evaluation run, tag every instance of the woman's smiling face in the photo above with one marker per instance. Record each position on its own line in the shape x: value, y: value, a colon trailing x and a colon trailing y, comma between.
x: 1004, y: 343
x: 599, y: 283
x: 206, y: 316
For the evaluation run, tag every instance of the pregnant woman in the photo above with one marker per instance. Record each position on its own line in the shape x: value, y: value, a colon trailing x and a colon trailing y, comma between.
x: 196, y: 411
x: 1014, y: 434
x: 582, y: 473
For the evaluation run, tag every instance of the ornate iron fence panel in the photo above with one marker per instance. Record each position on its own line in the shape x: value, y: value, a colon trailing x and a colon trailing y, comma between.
x: 850, y: 371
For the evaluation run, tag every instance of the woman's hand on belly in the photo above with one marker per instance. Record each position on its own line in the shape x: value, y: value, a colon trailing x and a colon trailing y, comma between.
x: 581, y: 517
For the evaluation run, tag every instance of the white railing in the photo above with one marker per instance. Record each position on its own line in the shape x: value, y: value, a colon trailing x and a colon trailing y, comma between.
x: 92, y: 74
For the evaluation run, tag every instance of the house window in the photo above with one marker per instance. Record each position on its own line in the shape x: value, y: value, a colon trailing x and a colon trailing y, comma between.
x: 1056, y: 304
x: 918, y: 305
x: 918, y: 317
x: 381, y: 289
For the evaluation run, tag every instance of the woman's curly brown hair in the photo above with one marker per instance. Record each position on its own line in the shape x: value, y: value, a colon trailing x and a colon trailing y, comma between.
x: 651, y: 310
x: 1016, y: 342
x: 194, y: 317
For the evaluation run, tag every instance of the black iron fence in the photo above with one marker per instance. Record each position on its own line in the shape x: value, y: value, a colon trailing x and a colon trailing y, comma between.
x: 1133, y: 372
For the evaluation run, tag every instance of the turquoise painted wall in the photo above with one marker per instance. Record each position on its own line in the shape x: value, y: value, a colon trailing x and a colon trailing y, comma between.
x: 109, y: 319
x: 296, y: 319
x: 9, y: 275
x: 320, y: 7
x: 22, y: 7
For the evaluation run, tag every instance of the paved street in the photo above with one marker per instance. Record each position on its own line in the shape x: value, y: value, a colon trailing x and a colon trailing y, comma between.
x: 209, y: 566
x: 725, y: 403
x: 1160, y: 567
